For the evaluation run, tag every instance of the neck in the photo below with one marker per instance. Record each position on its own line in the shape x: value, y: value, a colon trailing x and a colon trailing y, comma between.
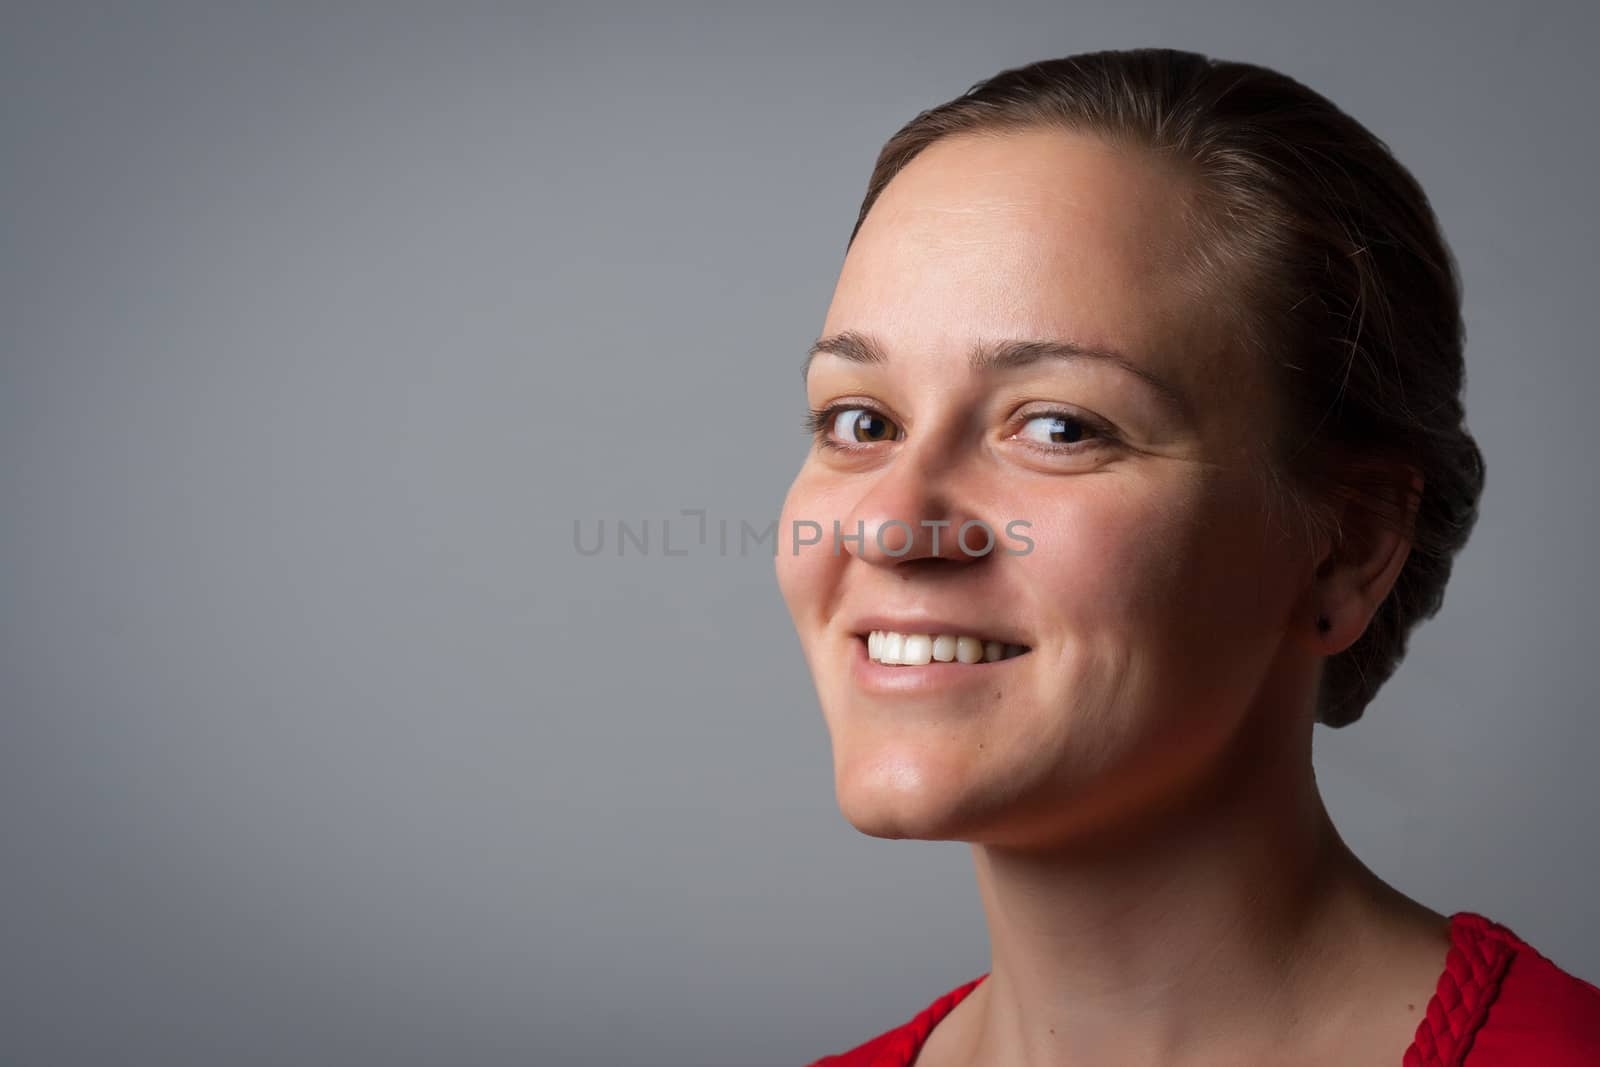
x: 1206, y: 930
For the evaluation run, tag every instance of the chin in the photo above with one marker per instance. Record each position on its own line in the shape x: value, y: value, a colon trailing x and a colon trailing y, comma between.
x: 893, y: 821
x: 901, y: 791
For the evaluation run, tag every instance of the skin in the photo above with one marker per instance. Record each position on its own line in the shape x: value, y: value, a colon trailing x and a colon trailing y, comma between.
x: 1160, y: 879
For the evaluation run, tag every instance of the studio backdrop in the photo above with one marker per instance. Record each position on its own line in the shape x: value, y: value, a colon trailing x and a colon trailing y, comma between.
x: 392, y: 400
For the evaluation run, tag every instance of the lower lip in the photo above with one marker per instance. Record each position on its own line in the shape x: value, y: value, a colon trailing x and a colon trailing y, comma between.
x: 869, y: 674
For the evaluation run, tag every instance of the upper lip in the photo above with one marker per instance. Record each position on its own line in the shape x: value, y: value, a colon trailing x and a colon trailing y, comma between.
x: 927, y: 624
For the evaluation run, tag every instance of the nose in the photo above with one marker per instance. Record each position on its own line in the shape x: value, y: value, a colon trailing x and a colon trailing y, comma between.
x: 912, y: 512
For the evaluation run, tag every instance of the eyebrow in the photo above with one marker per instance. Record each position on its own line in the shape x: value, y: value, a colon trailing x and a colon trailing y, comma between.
x: 863, y: 348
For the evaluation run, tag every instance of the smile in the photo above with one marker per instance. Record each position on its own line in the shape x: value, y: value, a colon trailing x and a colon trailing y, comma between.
x: 892, y: 648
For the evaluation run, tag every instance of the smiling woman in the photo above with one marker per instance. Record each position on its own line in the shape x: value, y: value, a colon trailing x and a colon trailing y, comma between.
x: 1195, y: 332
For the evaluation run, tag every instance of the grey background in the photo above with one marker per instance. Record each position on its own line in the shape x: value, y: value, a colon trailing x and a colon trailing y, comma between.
x: 320, y: 742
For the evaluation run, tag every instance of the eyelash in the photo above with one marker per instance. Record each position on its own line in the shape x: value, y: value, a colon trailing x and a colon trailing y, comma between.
x: 819, y: 424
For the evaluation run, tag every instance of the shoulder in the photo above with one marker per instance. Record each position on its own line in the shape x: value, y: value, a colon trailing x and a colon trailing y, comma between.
x: 1539, y: 1013
x: 899, y: 1047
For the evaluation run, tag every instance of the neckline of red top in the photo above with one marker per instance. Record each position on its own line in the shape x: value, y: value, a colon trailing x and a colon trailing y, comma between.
x: 1480, y: 952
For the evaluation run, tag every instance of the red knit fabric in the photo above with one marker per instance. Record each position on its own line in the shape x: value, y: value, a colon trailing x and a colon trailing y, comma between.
x: 1498, y: 1003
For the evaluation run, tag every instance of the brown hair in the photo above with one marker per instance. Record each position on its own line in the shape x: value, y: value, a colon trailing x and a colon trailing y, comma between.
x: 1337, y: 273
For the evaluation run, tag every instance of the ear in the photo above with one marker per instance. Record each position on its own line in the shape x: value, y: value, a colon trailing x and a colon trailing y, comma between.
x: 1360, y: 567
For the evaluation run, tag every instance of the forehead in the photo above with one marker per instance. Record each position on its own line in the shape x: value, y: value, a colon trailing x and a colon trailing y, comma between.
x: 1035, y: 233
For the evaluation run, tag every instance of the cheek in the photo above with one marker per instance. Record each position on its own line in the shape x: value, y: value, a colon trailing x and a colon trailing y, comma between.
x: 806, y: 571
x: 1107, y: 551
x: 1148, y: 559
x: 1134, y: 584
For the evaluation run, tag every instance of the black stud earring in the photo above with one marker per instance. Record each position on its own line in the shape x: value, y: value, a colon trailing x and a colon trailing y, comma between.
x: 1323, y: 625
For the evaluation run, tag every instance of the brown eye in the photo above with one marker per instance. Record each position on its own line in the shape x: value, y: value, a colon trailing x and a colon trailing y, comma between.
x: 1059, y: 429
x: 862, y: 426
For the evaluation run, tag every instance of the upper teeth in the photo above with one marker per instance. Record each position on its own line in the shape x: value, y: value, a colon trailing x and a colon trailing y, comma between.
x: 888, y: 646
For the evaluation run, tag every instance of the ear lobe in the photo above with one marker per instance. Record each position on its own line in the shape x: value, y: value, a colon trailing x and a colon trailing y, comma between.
x: 1366, y: 558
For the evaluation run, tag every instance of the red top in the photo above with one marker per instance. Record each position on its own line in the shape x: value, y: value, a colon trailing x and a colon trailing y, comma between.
x: 1499, y: 1003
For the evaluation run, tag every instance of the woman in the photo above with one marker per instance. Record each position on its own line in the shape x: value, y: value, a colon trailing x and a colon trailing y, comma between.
x: 1139, y: 446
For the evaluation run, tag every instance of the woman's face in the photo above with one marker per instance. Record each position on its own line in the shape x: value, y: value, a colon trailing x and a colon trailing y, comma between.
x: 1135, y: 558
